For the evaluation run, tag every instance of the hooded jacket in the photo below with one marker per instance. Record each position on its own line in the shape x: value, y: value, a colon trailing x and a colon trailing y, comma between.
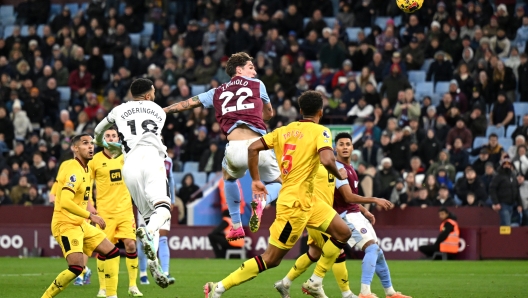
x: 504, y: 188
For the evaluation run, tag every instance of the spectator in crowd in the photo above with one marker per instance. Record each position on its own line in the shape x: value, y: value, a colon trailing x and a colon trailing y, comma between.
x: 461, y: 132
x: 370, y: 152
x: 398, y: 195
x: 385, y: 178
x: 520, y: 140
x: 4, y: 197
x: 188, y: 192
x: 407, y: 108
x: 444, y: 199
x: 522, y: 71
x: 394, y: 83
x: 441, y: 69
x: 288, y: 111
x: 211, y: 160
x: 470, y: 183
x: 422, y: 200
x: 504, y: 192
x: 360, y: 111
x: 480, y: 164
x: 520, y: 161
x: 6, y: 128
x: 20, y: 121
x: 316, y: 23
x: 458, y: 156
x: 429, y: 148
x: 495, y: 149
x: 521, y: 130
x: 523, y: 193
x: 503, y: 113
x: 32, y: 198
x: 443, y: 163
x: 214, y: 42
x: 476, y: 121
x: 19, y: 190
x: 332, y: 54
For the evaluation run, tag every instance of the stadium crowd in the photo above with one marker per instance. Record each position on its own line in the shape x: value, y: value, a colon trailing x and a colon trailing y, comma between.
x: 436, y: 91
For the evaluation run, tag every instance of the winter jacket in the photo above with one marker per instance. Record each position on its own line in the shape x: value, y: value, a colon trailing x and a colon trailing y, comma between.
x: 405, y: 114
x: 501, y: 47
x: 385, y: 181
x: 451, y: 172
x: 429, y: 150
x: 76, y: 82
x: 522, y: 35
x: 504, y: 188
x: 392, y: 85
x: 449, y: 202
x: 21, y: 124
x: 459, y: 158
x: 399, y: 197
x: 213, y: 44
x: 463, y: 187
x: 478, y: 126
x: 441, y: 72
x: 462, y: 133
x: 521, y: 164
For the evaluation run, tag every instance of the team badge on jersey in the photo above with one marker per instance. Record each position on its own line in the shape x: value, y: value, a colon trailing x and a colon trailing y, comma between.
x: 73, y: 178
x: 363, y: 231
x: 75, y: 242
x: 325, y: 134
x: 294, y: 238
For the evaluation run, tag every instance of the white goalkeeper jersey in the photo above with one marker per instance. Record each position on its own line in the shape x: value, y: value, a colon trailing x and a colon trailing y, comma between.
x: 139, y: 123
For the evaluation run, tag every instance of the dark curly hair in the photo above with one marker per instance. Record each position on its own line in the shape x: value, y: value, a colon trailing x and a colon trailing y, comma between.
x: 342, y: 135
x: 236, y: 60
x: 140, y: 87
x: 310, y: 102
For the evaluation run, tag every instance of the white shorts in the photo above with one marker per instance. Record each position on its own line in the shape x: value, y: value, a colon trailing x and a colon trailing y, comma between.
x: 363, y: 231
x: 146, y: 179
x: 141, y: 223
x: 236, y: 161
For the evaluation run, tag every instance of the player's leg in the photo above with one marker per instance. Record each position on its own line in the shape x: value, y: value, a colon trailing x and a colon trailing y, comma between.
x: 270, y: 175
x: 95, y: 240
x: 284, y: 233
x: 325, y: 219
x: 341, y: 276
x: 80, y: 280
x: 142, y: 258
x: 163, y: 250
x: 75, y: 267
x: 132, y: 263
x: 109, y: 231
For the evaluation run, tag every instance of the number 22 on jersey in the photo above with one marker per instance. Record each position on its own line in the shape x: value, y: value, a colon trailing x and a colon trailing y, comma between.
x: 287, y: 158
x: 240, y: 105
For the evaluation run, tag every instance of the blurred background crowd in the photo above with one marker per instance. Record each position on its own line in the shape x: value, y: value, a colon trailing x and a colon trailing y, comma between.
x: 440, y: 95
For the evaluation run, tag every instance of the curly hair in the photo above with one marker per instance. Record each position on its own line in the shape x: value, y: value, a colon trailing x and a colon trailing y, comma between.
x: 310, y: 102
x: 236, y: 60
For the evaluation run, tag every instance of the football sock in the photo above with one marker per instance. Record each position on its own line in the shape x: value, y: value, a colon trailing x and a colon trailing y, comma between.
x: 382, y: 270
x: 100, y: 271
x: 249, y: 270
x: 164, y: 254
x: 368, y: 267
x: 301, y: 264
x: 159, y: 218
x: 132, y: 267
x: 331, y: 251
x: 341, y: 273
x: 142, y: 259
x: 111, y: 268
x: 62, y: 281
x: 273, y: 189
x: 232, y: 193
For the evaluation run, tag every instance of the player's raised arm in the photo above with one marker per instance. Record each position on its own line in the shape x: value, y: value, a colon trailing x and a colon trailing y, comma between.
x: 203, y: 99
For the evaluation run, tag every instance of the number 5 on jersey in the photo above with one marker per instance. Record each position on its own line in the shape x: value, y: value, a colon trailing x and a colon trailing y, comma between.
x: 287, y: 158
x: 240, y: 105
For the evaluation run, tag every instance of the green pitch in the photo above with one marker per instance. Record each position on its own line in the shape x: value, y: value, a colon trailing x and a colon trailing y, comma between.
x: 495, y: 279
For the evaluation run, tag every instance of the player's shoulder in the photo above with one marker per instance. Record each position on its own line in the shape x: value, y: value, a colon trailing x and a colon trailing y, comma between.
x: 253, y: 80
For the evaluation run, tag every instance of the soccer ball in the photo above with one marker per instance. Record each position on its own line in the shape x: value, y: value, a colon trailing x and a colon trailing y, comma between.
x: 409, y: 6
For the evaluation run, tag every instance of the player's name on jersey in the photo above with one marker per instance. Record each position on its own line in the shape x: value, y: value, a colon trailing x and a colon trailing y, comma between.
x: 294, y: 134
x: 133, y: 111
x: 239, y: 82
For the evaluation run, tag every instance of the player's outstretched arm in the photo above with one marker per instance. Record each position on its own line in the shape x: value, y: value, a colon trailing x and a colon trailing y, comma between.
x: 351, y: 197
x: 185, y: 105
x: 327, y: 158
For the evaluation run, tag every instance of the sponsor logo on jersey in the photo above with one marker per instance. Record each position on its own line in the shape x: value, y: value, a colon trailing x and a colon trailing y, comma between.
x: 71, y: 185
x: 104, y: 164
x: 115, y: 175
x: 87, y: 193
x: 73, y: 178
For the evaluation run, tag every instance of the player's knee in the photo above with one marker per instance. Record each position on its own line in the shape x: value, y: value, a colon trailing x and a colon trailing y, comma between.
x: 76, y: 269
x: 113, y: 253
x: 130, y: 246
x: 271, y: 260
x: 163, y: 210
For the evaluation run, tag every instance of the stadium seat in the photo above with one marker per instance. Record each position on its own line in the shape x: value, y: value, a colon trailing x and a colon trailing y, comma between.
x: 423, y: 89
x: 317, y: 67
x: 367, y: 31
x: 416, y: 76
x: 200, y: 178
x: 197, y: 89
x: 426, y: 64
x: 441, y: 87
x: 24, y: 30
x: 382, y: 22
x: 177, y: 186
x: 352, y: 33
x: 84, y: 6
x: 241, y: 252
x: 521, y: 109
x: 499, y: 131
x: 330, y: 21
x: 190, y: 167
x: 458, y: 176
x: 40, y: 30
x: 178, y: 176
x: 8, y: 31
x: 7, y: 11
x: 135, y: 39
x: 305, y: 21
x: 122, y: 6
x: 65, y: 93
x: 7, y: 21
x: 510, y: 130
x: 109, y: 61
x: 146, y: 34
x: 397, y: 20
x: 213, y: 176
x: 74, y: 8
x: 55, y: 9
x: 506, y: 143
x: 479, y: 142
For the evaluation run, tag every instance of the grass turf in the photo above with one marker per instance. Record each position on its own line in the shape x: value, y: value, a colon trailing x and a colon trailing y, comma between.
x: 504, y: 279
